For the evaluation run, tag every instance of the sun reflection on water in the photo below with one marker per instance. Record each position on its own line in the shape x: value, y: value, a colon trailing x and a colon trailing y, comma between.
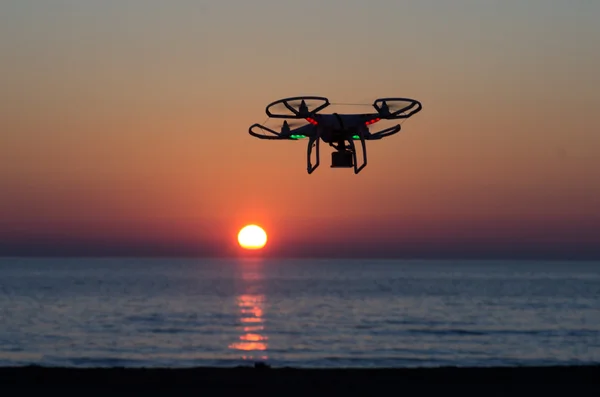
x: 252, y: 342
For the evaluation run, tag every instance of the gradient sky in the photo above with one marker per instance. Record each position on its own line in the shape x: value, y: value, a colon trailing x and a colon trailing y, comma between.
x: 124, y: 127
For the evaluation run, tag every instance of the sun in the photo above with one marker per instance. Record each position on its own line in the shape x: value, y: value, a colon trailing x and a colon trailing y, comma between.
x: 252, y: 237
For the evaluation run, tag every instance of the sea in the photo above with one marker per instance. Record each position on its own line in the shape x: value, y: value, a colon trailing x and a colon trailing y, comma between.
x: 185, y: 312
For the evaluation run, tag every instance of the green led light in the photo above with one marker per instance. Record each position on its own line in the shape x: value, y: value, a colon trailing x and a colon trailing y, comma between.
x: 297, y: 136
x: 355, y: 137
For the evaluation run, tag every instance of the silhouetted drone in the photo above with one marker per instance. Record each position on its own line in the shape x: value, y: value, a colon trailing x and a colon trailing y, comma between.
x: 338, y: 130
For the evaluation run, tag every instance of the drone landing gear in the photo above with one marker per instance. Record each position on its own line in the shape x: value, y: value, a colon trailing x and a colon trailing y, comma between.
x: 312, y: 142
x: 345, y: 157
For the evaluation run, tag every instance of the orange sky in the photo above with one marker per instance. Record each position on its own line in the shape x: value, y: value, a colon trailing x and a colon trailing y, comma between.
x: 128, y: 124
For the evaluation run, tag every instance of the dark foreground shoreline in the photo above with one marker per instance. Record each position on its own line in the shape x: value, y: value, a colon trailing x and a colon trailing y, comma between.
x: 573, y: 380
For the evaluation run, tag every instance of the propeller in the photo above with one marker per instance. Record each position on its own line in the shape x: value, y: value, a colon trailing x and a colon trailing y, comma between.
x: 298, y: 107
x: 397, y: 107
x: 288, y: 126
x: 394, y: 106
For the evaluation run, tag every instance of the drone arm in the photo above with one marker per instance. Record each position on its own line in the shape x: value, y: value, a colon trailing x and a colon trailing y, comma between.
x: 384, y: 133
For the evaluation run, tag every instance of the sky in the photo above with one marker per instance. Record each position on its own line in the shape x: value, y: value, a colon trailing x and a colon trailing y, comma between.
x: 124, y: 127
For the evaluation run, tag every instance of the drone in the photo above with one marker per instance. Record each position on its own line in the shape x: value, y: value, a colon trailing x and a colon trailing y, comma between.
x: 340, y: 131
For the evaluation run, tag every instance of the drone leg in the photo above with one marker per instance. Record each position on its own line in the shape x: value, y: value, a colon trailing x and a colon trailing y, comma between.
x: 311, y: 142
x: 364, y: 150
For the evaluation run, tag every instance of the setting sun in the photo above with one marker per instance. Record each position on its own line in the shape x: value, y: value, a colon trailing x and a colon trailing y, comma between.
x: 252, y: 237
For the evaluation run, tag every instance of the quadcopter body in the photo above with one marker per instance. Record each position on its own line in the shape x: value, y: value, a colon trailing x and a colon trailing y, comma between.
x: 339, y: 131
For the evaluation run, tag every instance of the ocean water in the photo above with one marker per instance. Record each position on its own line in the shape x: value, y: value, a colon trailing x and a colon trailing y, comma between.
x: 304, y: 313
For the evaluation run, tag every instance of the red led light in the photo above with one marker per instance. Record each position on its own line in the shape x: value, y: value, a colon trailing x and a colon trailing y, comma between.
x: 312, y: 121
x: 369, y: 122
